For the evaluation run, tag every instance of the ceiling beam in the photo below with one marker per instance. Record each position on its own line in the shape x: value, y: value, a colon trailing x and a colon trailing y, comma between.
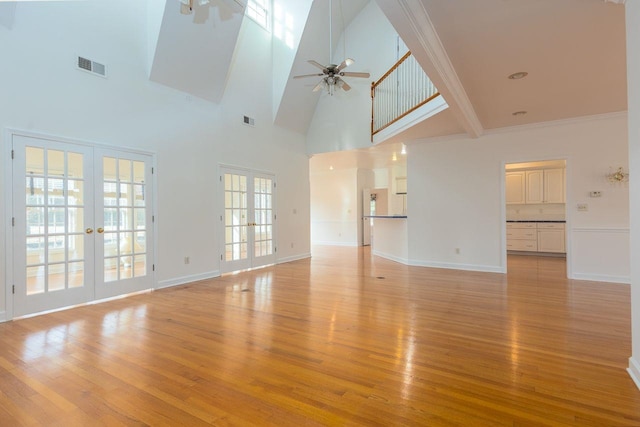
x: 412, y: 22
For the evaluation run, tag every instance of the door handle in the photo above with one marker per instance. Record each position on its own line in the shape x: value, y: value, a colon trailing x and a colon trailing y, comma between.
x: 100, y: 230
x: 89, y: 230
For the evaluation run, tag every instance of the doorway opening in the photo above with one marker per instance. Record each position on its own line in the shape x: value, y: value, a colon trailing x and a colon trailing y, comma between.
x: 536, y: 214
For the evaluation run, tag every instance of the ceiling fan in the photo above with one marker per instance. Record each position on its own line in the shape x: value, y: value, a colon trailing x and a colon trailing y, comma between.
x: 332, y: 74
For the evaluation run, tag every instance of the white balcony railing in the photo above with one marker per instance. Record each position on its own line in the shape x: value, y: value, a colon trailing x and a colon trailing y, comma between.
x: 403, y: 89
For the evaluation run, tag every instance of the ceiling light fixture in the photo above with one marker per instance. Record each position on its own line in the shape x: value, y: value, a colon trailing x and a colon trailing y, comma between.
x: 519, y: 75
x: 519, y: 113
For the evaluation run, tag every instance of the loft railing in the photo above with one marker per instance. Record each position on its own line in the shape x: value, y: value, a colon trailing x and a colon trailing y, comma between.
x: 403, y: 89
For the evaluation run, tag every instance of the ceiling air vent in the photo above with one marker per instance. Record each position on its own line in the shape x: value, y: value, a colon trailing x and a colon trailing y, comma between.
x: 92, y: 66
x: 248, y: 121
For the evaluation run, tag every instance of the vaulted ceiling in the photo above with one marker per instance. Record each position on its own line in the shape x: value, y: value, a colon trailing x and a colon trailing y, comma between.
x: 573, y: 51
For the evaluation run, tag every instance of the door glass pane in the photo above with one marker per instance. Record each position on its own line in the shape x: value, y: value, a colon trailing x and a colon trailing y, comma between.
x: 109, y: 169
x: 55, y: 163
x: 141, y: 242
x: 125, y: 198
x: 126, y: 244
x: 138, y: 172
x: 139, y: 219
x: 110, y: 244
x: 34, y: 161
x: 56, y: 279
x: 124, y: 170
x: 110, y: 269
x: 75, y: 192
x: 138, y: 194
x: 75, y: 165
x: 56, y: 191
x: 56, y: 249
x: 35, y: 190
x: 76, y: 274
x: 35, y: 250
x: 56, y: 220
x: 75, y: 248
x: 126, y: 270
x: 140, y: 265
x: 35, y: 221
x: 76, y: 220
x: 35, y: 280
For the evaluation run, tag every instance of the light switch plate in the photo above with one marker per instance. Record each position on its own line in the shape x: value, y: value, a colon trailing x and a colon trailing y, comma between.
x: 583, y: 207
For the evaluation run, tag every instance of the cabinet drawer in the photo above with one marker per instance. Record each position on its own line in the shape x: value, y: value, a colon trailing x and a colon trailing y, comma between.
x: 522, y: 245
x: 521, y: 225
x: 550, y: 226
x: 521, y: 234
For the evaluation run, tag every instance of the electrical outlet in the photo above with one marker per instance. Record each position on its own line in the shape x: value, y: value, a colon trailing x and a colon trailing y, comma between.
x: 187, y: 260
x: 583, y: 207
x: 595, y: 194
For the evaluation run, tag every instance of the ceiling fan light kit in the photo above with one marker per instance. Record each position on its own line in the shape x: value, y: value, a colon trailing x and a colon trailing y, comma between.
x: 332, y: 74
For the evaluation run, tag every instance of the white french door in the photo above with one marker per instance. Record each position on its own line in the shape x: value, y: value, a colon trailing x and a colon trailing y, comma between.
x: 81, y: 224
x: 248, y: 220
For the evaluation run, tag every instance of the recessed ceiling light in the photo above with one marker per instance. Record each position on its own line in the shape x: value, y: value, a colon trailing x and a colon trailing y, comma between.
x: 519, y: 113
x: 518, y: 75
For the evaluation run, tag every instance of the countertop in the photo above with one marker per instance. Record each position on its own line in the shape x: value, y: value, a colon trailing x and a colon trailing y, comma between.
x: 536, y: 220
x: 386, y: 216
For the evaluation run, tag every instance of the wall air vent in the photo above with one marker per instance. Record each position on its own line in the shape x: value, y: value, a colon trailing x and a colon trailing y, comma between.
x: 248, y: 121
x: 92, y: 66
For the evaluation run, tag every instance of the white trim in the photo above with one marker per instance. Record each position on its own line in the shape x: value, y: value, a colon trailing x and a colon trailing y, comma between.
x: 634, y: 371
x: 293, y: 258
x: 456, y: 266
x: 187, y: 279
x: 426, y: 111
x: 525, y: 127
x: 77, y: 141
x: 331, y: 243
x: 600, y: 230
x: 390, y: 257
x: 3, y: 316
x: 626, y: 280
x: 8, y: 247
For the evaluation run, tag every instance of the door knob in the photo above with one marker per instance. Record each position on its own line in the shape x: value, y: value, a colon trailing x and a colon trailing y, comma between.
x: 100, y: 230
x: 89, y: 230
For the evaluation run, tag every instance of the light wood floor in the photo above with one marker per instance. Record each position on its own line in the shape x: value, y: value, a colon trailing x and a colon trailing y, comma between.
x: 341, y: 339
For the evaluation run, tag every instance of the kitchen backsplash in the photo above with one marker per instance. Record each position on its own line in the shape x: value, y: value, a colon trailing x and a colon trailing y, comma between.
x: 541, y: 212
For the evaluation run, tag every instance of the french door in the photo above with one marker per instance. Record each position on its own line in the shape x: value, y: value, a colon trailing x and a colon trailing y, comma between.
x: 82, y: 224
x: 248, y: 220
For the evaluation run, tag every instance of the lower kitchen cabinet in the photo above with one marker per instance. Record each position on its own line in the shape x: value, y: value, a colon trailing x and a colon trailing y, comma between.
x: 536, y: 237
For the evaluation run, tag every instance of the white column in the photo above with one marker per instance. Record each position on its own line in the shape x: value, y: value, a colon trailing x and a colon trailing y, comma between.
x: 633, y: 96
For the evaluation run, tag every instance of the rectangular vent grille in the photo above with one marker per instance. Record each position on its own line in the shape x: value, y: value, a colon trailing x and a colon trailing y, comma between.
x: 248, y: 121
x: 92, y: 66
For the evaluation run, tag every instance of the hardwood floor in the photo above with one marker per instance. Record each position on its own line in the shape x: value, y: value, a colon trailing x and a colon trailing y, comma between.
x: 341, y: 339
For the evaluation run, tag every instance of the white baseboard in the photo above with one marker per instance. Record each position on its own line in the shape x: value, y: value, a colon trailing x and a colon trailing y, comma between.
x: 602, y: 278
x: 634, y: 371
x: 390, y: 257
x: 294, y: 258
x: 325, y: 243
x: 455, y: 266
x: 187, y: 279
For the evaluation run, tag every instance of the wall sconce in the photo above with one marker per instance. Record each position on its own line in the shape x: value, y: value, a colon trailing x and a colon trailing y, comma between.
x: 618, y: 176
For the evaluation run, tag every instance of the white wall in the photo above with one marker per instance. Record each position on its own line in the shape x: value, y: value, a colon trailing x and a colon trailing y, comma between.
x: 633, y: 71
x: 343, y: 121
x: 43, y: 92
x: 334, y: 207
x: 456, y: 199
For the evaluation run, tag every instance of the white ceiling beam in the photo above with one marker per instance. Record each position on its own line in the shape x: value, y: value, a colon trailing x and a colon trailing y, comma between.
x: 412, y: 22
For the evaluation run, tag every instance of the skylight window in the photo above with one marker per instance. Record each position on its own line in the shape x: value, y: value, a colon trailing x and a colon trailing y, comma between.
x: 283, y: 25
x: 258, y: 10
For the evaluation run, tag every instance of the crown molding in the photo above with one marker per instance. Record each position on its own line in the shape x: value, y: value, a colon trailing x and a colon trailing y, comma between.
x: 414, y: 14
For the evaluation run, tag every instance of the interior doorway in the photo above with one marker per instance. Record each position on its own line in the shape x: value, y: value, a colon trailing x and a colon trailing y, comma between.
x: 535, y: 211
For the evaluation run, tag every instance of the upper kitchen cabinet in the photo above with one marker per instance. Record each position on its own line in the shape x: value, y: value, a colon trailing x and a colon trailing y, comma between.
x: 515, y: 184
x: 536, y: 186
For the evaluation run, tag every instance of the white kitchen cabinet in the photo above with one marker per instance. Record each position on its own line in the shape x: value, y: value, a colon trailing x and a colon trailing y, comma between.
x: 536, y: 186
x: 515, y: 185
x: 554, y: 184
x: 551, y: 237
x: 522, y: 236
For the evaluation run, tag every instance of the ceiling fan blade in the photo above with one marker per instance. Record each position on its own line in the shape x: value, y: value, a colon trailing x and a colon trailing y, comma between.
x: 345, y: 64
x: 318, y: 86
x: 316, y: 64
x: 354, y: 74
x: 308, y: 75
x: 345, y: 86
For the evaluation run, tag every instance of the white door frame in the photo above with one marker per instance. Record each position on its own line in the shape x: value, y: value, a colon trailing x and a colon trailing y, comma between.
x: 8, y: 199
x: 220, y: 229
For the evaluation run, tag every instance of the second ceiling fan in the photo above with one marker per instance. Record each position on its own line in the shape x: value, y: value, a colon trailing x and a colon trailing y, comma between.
x: 332, y: 74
